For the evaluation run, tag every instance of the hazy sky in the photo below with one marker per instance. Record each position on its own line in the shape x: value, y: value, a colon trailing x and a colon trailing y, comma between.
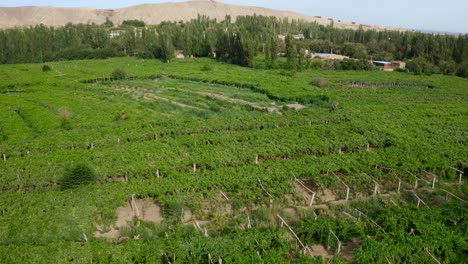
x: 447, y: 15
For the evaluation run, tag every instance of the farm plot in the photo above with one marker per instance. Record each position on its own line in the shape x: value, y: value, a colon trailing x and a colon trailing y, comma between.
x: 208, y: 167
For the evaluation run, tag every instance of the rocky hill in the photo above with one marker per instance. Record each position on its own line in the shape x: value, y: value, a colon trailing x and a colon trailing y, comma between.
x: 149, y: 13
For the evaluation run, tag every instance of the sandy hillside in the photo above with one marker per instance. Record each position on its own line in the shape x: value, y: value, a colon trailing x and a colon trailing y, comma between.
x: 150, y: 13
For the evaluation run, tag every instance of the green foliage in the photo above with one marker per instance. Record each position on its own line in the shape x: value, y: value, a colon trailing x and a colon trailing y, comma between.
x: 108, y: 23
x: 291, y: 53
x: 354, y: 50
x: 349, y: 65
x: 235, y: 42
x: 119, y: 74
x: 319, y: 82
x: 76, y: 175
x: 166, y: 49
x: 133, y: 23
x: 181, y: 115
x: 421, y: 65
x: 173, y: 211
x: 207, y: 67
x: 46, y: 68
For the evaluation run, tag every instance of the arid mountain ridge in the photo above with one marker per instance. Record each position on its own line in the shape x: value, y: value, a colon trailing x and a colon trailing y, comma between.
x: 11, y: 17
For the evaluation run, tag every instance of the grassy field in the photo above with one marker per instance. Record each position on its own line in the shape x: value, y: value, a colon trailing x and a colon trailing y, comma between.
x: 213, y: 154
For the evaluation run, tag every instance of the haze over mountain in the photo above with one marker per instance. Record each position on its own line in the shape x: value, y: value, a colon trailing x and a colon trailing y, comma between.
x: 149, y: 13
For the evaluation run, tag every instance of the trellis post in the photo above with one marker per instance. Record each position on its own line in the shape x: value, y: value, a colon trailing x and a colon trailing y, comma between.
x: 426, y: 249
x: 309, y: 190
x: 460, y: 174
x: 347, y: 187
x: 339, y: 242
x: 283, y: 222
x: 135, y: 207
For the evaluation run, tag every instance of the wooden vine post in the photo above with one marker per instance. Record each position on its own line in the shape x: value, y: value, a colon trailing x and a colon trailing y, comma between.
x: 426, y: 249
x: 136, y: 212
x: 194, y: 167
x: 315, y: 214
x: 263, y: 188
x: 157, y: 173
x: 460, y: 174
x: 399, y: 184
x: 4, y: 157
x: 347, y: 187
x: 376, y: 184
x: 256, y: 159
x: 376, y: 187
x: 222, y: 193
x: 338, y: 249
x: 420, y: 201
x: 416, y: 180
x: 309, y: 190
x: 304, y: 247
x: 370, y: 219
x: 434, y: 178
x: 449, y: 193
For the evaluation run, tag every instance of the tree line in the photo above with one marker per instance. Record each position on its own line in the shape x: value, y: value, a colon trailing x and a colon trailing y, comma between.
x: 236, y: 42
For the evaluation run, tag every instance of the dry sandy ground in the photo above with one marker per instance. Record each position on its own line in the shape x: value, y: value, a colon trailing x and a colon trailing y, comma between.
x: 150, y: 13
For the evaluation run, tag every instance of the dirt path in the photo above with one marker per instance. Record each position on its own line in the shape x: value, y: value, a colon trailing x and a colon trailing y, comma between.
x: 150, y: 96
x: 239, y: 101
x: 272, y: 108
x: 147, y: 209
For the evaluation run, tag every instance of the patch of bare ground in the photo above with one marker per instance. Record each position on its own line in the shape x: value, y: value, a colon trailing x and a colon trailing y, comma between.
x: 301, y: 196
x: 188, y: 216
x: 145, y: 209
x: 289, y: 212
x: 240, y: 101
x: 151, y: 97
x: 319, y: 251
x: 347, y: 250
x: 327, y: 195
x: 273, y: 108
x: 296, y: 106
x: 215, y: 207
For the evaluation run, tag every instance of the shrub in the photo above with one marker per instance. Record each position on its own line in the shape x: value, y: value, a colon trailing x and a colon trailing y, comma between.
x: 77, y: 175
x: 133, y: 23
x: 65, y: 114
x: 173, y: 210
x: 46, y: 68
x: 118, y: 74
x: 421, y: 65
x: 319, y: 82
x: 207, y: 67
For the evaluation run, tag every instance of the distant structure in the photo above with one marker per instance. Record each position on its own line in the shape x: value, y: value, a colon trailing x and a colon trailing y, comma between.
x: 116, y: 33
x: 179, y: 54
x: 296, y: 37
x: 389, y: 66
x: 299, y: 37
x: 328, y: 56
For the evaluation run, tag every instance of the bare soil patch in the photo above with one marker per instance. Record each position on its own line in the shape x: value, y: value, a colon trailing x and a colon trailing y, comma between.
x: 347, y: 251
x: 320, y: 251
x: 296, y: 106
x: 304, y: 195
x: 146, y: 210
x: 327, y: 195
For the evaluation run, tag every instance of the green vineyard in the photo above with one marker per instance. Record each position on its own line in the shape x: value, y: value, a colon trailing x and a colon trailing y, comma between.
x: 198, y: 161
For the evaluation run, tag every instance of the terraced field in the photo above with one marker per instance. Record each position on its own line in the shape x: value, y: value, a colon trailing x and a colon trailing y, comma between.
x: 228, y: 164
